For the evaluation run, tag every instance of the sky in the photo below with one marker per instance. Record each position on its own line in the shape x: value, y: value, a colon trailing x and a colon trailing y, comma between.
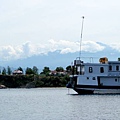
x: 29, y: 27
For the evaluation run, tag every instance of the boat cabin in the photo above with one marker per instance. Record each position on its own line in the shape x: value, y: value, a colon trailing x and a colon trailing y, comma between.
x: 99, y: 77
x: 104, y: 68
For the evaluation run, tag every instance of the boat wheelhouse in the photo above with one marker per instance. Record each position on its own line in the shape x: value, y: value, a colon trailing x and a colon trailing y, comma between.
x: 102, y: 77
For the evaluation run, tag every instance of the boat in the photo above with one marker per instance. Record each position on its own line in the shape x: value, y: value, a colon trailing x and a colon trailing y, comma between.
x: 99, y: 77
x: 90, y: 78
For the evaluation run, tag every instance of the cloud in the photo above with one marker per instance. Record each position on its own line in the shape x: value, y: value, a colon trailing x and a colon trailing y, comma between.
x: 64, y: 46
x: 67, y: 46
x: 66, y: 50
x: 115, y: 46
x: 90, y: 46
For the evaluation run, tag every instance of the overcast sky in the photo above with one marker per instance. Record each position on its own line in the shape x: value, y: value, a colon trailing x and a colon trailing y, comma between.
x: 40, y: 21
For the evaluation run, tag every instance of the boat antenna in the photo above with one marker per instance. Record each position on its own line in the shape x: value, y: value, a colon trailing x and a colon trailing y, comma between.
x: 81, y: 35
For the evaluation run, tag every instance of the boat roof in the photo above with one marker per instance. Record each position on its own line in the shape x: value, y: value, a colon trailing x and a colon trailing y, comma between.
x: 102, y: 64
x: 113, y: 62
x: 95, y: 64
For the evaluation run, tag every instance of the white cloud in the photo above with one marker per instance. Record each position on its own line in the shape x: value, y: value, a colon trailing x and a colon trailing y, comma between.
x: 91, y: 46
x: 66, y: 50
x: 64, y: 46
x: 9, y: 52
x: 115, y: 46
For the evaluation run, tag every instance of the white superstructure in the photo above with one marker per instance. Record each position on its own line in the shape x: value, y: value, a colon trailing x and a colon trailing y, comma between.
x: 102, y: 77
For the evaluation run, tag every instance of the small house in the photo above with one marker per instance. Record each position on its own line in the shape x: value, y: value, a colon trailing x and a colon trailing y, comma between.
x: 17, y: 72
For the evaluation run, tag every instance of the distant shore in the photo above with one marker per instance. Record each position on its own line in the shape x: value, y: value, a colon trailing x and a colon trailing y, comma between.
x: 32, y: 81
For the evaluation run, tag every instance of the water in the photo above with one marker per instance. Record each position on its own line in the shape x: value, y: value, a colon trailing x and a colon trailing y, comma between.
x: 56, y: 104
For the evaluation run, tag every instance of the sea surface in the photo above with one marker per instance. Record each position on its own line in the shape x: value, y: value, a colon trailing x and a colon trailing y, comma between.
x: 56, y: 104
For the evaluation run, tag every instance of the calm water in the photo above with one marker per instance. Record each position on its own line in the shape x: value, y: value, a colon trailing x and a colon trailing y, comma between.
x: 56, y: 104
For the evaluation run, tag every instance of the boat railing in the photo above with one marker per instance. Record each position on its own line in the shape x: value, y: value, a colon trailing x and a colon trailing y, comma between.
x: 78, y: 60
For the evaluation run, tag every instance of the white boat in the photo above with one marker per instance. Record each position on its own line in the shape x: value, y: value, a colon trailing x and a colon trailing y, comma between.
x: 90, y: 78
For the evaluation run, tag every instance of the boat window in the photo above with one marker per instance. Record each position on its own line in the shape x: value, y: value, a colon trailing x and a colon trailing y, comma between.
x: 117, y: 68
x: 93, y: 78
x: 101, y: 69
x: 90, y: 69
x: 110, y: 67
x: 87, y: 78
x: 80, y: 70
x: 115, y: 80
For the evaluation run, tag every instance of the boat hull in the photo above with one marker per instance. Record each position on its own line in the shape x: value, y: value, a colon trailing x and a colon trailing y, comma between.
x: 96, y: 91
x: 84, y: 91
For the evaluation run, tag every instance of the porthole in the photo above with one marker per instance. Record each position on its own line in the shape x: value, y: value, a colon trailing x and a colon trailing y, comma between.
x: 87, y: 78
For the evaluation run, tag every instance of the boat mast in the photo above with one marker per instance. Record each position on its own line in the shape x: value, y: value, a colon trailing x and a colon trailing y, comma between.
x: 81, y: 37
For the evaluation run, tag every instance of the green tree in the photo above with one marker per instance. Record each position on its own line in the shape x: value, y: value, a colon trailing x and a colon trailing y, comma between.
x: 20, y: 69
x: 59, y: 69
x: 4, y: 71
x: 68, y: 69
x: 9, y: 71
x: 35, y: 70
x: 46, y: 70
x: 29, y: 71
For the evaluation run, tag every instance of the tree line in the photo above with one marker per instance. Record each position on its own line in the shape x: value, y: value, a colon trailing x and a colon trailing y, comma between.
x: 34, y: 70
x: 32, y: 78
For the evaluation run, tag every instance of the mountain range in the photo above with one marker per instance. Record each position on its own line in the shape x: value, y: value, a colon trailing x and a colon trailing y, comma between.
x: 56, y: 59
